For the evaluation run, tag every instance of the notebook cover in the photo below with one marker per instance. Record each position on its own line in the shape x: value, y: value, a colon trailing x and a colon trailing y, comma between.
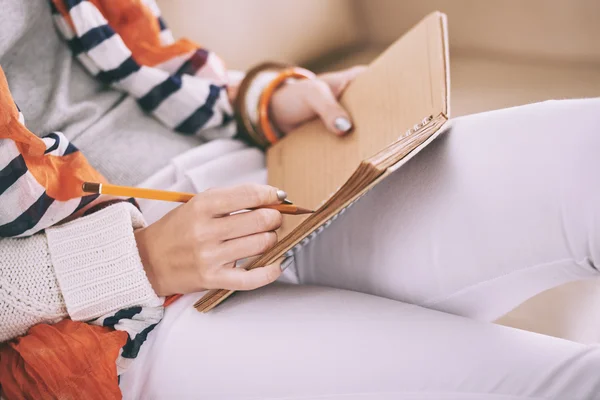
x: 406, y: 83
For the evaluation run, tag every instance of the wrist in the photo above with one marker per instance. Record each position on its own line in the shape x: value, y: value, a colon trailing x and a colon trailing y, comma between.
x: 142, y: 240
x: 267, y: 127
x: 97, y: 263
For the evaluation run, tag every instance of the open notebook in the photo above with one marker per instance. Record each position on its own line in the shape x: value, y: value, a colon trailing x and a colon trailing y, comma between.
x: 398, y: 105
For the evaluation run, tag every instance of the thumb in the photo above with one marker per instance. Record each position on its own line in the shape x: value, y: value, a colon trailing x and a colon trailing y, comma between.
x: 323, y: 102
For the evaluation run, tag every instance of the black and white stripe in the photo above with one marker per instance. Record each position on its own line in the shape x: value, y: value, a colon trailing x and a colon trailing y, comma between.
x: 182, y: 101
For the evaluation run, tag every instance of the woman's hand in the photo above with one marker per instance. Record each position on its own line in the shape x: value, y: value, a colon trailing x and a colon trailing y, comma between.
x: 195, y: 246
x: 300, y: 101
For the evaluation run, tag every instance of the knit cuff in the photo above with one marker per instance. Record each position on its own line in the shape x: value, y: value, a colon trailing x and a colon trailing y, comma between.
x: 97, y: 263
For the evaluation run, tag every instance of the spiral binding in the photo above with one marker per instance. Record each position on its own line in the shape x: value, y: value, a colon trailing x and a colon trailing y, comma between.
x: 321, y: 228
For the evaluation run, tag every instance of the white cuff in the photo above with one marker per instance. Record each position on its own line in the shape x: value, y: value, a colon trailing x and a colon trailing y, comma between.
x: 97, y: 263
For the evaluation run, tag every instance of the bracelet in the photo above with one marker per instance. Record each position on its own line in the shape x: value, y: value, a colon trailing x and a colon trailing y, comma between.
x: 265, y: 99
x: 247, y: 129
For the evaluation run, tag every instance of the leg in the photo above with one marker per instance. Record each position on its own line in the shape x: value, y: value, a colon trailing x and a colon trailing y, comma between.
x: 302, y: 342
x: 502, y: 208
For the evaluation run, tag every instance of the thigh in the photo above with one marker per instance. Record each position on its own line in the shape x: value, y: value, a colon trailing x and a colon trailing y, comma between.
x: 305, y: 342
x: 503, y: 207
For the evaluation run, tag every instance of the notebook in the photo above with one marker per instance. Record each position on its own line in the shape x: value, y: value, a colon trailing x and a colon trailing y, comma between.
x: 398, y: 106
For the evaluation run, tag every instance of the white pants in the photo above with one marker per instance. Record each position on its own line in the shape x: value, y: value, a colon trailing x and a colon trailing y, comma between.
x: 503, y: 207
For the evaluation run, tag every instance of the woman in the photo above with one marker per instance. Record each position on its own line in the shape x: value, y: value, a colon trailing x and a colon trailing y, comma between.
x: 502, y: 208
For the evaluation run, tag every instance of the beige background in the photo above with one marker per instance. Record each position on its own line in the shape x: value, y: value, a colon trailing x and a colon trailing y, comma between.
x: 504, y: 53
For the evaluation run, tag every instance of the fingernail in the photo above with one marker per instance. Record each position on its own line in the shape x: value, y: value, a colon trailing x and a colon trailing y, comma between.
x: 281, y: 195
x: 342, y: 124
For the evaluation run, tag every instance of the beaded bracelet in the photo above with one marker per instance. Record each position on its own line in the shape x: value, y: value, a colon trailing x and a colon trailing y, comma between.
x: 265, y: 99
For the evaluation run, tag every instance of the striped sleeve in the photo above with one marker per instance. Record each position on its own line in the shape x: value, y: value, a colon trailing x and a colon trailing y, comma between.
x: 27, y: 206
x: 40, y: 178
x: 178, y: 82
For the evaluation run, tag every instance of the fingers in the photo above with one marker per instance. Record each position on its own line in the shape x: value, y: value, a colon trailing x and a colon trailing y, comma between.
x: 294, y: 104
x: 223, y: 201
x: 248, y: 223
x: 241, y: 279
x: 338, y: 81
x: 323, y: 102
x: 248, y: 246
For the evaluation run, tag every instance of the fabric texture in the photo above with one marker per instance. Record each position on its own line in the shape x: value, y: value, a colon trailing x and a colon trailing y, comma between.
x: 504, y: 206
x: 108, y: 274
x: 57, y: 94
x: 34, y: 367
x: 29, y: 291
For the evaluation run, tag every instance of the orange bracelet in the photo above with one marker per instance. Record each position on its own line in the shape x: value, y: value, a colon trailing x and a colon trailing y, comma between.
x: 171, y: 299
x: 265, y: 98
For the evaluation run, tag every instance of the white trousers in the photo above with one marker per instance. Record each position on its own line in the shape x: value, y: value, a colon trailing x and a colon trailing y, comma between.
x: 501, y: 208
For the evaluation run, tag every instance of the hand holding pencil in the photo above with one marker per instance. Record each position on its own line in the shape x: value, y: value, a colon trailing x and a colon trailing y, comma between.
x: 194, y: 247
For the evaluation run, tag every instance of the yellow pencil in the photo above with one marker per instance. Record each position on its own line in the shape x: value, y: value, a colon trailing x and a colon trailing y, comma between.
x: 125, y: 191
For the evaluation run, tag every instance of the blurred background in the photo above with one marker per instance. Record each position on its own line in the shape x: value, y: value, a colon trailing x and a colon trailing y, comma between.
x: 503, y: 53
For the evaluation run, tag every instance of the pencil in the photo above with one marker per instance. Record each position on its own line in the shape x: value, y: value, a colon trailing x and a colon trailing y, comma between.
x: 125, y: 191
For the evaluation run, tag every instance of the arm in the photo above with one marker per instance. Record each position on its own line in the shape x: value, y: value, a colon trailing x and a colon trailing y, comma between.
x: 128, y: 46
x: 186, y: 87
x: 76, y: 269
x: 85, y: 270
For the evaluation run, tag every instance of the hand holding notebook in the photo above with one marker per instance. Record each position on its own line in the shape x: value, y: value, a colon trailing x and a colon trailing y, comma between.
x: 398, y: 106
